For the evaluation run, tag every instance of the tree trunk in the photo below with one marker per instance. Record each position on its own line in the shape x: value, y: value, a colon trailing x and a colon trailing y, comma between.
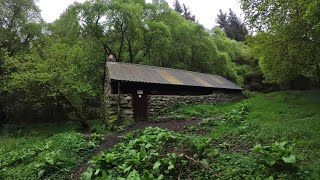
x: 3, y: 120
x: 83, y: 122
x: 131, y: 57
x: 318, y: 76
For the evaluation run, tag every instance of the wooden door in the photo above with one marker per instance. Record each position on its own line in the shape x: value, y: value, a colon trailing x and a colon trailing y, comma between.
x: 140, y: 107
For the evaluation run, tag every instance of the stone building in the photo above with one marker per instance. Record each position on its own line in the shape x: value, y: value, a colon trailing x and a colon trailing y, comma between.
x: 136, y: 92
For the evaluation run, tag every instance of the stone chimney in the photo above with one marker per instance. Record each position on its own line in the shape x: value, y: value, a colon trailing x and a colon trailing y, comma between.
x: 111, y: 58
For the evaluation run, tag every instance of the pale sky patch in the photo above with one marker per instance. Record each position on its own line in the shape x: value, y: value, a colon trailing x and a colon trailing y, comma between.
x: 205, y: 10
x: 51, y: 9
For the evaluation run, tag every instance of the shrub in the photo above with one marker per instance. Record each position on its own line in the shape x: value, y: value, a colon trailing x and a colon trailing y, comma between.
x: 237, y: 115
x: 279, y: 155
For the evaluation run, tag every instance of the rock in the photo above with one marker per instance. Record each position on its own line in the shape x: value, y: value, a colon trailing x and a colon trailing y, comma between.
x: 128, y: 112
x: 127, y: 98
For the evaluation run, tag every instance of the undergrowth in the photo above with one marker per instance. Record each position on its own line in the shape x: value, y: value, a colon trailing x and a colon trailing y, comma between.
x: 153, y: 154
x: 41, y: 155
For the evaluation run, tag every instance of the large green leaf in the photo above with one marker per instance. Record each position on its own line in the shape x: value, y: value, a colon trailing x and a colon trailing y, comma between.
x: 289, y: 159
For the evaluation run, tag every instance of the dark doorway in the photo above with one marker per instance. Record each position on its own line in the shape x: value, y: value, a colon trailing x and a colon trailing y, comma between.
x: 140, y: 107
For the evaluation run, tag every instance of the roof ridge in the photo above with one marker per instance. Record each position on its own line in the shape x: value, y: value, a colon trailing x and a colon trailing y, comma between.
x: 167, y: 68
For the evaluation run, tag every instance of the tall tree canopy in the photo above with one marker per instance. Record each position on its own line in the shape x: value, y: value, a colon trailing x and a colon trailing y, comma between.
x: 19, y: 25
x: 232, y: 25
x: 288, y: 38
x: 20, y: 28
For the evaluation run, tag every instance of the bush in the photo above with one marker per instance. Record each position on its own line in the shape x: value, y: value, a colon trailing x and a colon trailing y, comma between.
x: 249, y: 94
x: 278, y: 155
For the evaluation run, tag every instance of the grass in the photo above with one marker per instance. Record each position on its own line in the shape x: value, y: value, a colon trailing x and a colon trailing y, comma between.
x: 292, y: 116
x: 46, y: 151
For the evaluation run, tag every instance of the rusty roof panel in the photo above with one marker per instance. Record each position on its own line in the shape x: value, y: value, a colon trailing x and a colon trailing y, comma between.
x: 159, y: 75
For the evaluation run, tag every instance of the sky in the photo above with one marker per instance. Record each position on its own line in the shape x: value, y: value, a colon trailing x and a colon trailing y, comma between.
x: 205, y: 10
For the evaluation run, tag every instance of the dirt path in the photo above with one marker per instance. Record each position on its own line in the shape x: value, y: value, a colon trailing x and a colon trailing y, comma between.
x: 113, y: 139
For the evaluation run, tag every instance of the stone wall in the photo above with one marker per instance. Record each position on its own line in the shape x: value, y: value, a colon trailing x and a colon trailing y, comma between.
x: 126, y: 110
x: 157, y: 103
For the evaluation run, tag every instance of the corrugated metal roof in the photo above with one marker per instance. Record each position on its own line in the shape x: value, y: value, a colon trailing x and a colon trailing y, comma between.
x: 160, y: 75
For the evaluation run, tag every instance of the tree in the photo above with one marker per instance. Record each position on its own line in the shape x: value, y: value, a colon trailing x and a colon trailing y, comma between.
x: 288, y: 39
x: 184, y: 11
x: 222, y: 20
x: 20, y: 27
x: 59, y: 78
x: 177, y: 6
x: 117, y: 26
x: 232, y: 25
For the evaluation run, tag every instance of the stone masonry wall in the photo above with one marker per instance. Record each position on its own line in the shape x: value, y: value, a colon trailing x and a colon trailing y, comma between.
x: 157, y: 103
x: 126, y: 110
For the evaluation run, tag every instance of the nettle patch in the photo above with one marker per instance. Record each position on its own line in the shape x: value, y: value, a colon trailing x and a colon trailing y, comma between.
x: 153, y: 153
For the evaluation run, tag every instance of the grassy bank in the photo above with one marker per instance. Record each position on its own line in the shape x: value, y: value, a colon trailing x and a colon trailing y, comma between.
x: 47, y: 151
x: 292, y: 116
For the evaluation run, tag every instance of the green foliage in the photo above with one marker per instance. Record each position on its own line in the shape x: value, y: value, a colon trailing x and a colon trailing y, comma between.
x: 232, y: 25
x: 249, y: 94
x: 49, y: 162
x: 197, y: 111
x: 95, y: 139
x: 151, y: 154
x: 34, y: 156
x: 287, y: 42
x: 113, y: 122
x: 116, y: 124
x: 99, y: 128
x: 20, y: 25
x: 237, y: 115
x: 204, y: 127
x: 279, y: 155
x: 139, y: 40
x: 290, y: 116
